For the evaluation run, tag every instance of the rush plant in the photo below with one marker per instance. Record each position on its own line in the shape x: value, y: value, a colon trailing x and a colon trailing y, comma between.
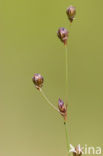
x: 63, y: 35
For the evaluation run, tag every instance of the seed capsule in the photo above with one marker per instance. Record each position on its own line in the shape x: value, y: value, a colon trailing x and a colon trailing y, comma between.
x: 71, y: 12
x: 38, y: 80
x: 78, y: 151
x: 62, y: 108
x: 63, y: 35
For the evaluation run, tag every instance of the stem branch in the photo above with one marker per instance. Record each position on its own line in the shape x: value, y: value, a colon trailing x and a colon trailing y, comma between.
x: 48, y: 101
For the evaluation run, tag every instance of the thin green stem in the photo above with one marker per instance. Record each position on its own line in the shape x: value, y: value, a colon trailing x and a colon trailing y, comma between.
x: 66, y: 134
x: 66, y: 72
x: 66, y: 93
x: 48, y: 101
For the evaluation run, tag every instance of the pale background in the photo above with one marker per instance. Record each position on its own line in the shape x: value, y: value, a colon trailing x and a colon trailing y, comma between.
x: 29, y: 44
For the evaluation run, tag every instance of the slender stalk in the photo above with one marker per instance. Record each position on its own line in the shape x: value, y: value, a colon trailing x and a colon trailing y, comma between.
x: 66, y: 93
x: 66, y: 134
x: 66, y: 72
x: 48, y: 101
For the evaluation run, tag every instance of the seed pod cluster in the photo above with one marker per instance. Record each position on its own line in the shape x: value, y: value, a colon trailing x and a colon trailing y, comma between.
x: 71, y: 12
x: 63, y: 35
x: 38, y: 80
x: 62, y: 108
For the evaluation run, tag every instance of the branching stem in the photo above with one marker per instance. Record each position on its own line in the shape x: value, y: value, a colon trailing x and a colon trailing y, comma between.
x: 48, y: 101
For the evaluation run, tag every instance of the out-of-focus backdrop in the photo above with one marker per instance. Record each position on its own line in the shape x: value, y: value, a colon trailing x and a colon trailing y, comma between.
x: 28, y: 45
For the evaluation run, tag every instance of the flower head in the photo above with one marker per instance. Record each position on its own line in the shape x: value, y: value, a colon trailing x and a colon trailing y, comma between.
x: 71, y: 12
x: 38, y: 80
x: 62, y: 108
x: 63, y: 35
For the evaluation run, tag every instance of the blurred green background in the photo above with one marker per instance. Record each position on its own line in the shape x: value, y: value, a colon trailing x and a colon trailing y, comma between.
x: 28, y: 45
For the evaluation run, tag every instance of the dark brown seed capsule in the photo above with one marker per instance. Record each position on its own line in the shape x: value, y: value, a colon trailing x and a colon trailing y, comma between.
x: 71, y: 12
x: 62, y: 108
x: 38, y: 80
x: 78, y: 151
x: 63, y: 35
